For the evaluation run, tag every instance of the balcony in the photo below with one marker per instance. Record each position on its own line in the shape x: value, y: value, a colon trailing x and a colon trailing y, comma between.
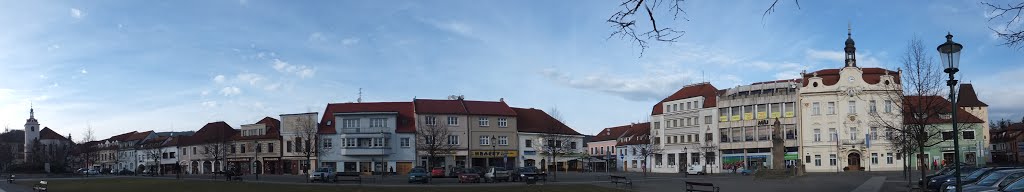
x: 366, y: 151
x: 366, y: 130
x: 852, y: 141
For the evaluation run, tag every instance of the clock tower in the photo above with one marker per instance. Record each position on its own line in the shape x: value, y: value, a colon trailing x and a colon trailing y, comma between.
x: 850, y: 49
x: 31, y: 132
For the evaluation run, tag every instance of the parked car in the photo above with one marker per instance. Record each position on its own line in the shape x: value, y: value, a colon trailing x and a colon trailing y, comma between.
x: 695, y: 170
x: 972, y: 177
x: 90, y: 172
x: 322, y: 174
x: 418, y: 174
x: 992, y: 181
x: 437, y: 172
x: 1015, y: 186
x: 456, y: 171
x: 496, y: 174
x: 524, y: 173
x: 942, y: 171
x: 935, y: 183
x: 125, y: 172
x: 470, y: 175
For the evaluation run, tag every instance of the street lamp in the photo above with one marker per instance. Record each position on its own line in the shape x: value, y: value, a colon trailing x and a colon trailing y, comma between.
x: 949, y: 52
x: 494, y: 149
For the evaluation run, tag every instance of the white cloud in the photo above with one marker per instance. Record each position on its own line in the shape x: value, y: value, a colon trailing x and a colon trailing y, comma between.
x: 454, y: 27
x: 76, y: 13
x: 250, y: 78
x: 272, y: 86
x: 230, y: 91
x: 299, y: 70
x: 219, y: 79
x: 204, y: 93
x: 350, y: 41
x: 209, y: 104
x: 54, y: 85
x: 43, y: 77
x: 317, y: 36
x: 644, y: 88
x: 864, y: 58
x: 83, y: 71
x: 52, y: 47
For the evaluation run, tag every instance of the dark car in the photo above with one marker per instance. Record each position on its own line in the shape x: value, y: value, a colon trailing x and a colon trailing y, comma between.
x: 525, y: 173
x: 418, y: 174
x: 971, y: 177
x: 992, y: 181
x: 471, y: 175
x: 1015, y: 186
x: 943, y: 171
x: 936, y: 182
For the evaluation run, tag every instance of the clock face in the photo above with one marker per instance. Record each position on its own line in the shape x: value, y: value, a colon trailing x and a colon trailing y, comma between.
x: 851, y: 79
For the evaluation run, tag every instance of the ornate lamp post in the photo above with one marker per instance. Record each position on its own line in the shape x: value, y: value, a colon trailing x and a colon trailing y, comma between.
x: 494, y: 150
x: 949, y: 52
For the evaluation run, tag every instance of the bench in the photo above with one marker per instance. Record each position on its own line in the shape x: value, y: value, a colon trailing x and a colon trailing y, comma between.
x: 348, y: 176
x: 615, y: 179
x: 706, y: 187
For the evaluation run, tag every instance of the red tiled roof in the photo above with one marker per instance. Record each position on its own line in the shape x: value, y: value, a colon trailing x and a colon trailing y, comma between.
x: 934, y: 106
x: 636, y: 134
x: 48, y: 133
x: 440, y: 106
x: 406, y: 120
x: 210, y: 133
x: 138, y: 136
x: 122, y: 137
x: 273, y: 130
x: 488, y: 108
x: 871, y: 76
x: 270, y: 122
x: 610, y: 133
x: 967, y: 97
x: 537, y: 121
x: 705, y: 90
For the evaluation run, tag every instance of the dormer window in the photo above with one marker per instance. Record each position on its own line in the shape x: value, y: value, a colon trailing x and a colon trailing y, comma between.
x: 946, y: 116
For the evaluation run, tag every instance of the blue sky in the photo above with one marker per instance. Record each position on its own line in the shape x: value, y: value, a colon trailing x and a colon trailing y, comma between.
x: 175, y: 65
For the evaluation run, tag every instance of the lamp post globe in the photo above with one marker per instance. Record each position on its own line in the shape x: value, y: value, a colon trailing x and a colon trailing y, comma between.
x: 949, y: 53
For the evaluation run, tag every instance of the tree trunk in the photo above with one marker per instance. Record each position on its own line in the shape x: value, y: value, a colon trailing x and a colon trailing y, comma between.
x: 921, y: 161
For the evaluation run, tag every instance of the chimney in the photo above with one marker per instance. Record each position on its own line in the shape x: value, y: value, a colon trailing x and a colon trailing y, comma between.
x: 501, y: 99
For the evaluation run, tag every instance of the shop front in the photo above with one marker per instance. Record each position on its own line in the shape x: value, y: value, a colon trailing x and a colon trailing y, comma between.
x: 494, y: 158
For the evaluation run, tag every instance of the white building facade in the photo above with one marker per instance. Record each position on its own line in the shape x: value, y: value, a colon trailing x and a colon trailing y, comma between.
x: 685, y: 127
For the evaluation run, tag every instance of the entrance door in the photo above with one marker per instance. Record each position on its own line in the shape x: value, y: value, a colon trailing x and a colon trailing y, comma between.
x: 403, y: 167
x: 854, y: 161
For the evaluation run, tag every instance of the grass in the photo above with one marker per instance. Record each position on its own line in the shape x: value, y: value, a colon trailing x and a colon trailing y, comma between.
x: 170, y: 185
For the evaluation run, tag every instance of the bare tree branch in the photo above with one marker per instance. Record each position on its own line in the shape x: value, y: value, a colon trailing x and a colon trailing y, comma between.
x: 1011, y: 31
x: 625, y: 22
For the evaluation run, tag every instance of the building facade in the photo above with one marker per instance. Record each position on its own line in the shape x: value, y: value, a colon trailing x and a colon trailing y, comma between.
x: 631, y: 145
x: 368, y: 137
x: 837, y: 123
x: 547, y: 143
x: 746, y: 120
x: 256, y: 148
x: 299, y: 134
x: 602, y: 146
x: 684, y: 127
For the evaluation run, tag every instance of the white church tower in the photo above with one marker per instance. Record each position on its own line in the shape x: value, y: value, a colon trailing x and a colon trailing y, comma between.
x: 31, y: 132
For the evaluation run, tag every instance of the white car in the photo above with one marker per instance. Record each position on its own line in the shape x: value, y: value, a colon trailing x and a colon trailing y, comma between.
x: 695, y: 170
x: 322, y: 175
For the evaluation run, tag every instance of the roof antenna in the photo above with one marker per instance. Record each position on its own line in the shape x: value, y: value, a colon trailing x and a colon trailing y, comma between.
x: 360, y: 99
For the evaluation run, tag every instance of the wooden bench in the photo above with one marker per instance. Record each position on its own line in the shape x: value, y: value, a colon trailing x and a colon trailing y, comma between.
x: 705, y: 187
x: 615, y: 179
x: 349, y: 176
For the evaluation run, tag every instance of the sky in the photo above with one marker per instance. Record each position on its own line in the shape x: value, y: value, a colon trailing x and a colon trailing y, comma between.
x: 121, y: 66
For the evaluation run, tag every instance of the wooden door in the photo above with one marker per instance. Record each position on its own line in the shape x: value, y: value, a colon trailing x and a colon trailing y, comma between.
x: 403, y: 167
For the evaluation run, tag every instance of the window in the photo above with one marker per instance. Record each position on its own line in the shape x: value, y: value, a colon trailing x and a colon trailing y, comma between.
x: 529, y: 143
x: 969, y: 134
x: 378, y: 122
x: 349, y: 123
x: 270, y: 147
x: 832, y: 160
x: 671, y: 159
x: 259, y: 148
x: 172, y: 155
x: 289, y: 148
x: 484, y: 122
x: 888, y: 106
x: 709, y: 137
x: 453, y: 120
x: 233, y: 148
x: 790, y: 109
x: 871, y: 106
x: 502, y: 140
x: 430, y: 120
x: 657, y: 125
x: 502, y: 122
x: 807, y: 159
x: 762, y: 133
x: 572, y: 145
x: 327, y: 142
x: 453, y: 139
x: 852, y: 106
x: 817, y: 135
x: 724, y: 135
x: 707, y: 119
x: 748, y: 133
x: 832, y: 135
x: 947, y: 135
x: 831, y: 108
x: 815, y: 108
x: 688, y: 105
x: 874, y: 158
x: 404, y: 142
x: 790, y: 131
x: 351, y: 142
x: 242, y: 147
x: 888, y: 158
x: 853, y: 133
x: 817, y: 160
x: 485, y: 140
x: 874, y: 133
x: 737, y: 134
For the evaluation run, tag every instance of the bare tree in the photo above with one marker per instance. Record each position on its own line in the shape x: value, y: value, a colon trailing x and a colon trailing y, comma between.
x: 707, y: 150
x: 1010, y: 16
x: 625, y: 21
x: 87, y: 150
x: 557, y: 143
x: 217, y: 146
x: 154, y: 151
x: 307, y: 144
x: 647, y: 150
x: 432, y: 139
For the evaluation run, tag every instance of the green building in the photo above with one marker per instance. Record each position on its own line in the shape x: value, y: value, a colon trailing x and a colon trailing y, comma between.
x: 934, y: 114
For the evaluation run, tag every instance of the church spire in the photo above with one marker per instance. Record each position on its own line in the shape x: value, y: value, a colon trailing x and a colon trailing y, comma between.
x: 850, y: 49
x: 31, y: 111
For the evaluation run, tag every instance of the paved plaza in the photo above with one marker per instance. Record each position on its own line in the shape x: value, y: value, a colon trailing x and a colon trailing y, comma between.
x: 653, y: 182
